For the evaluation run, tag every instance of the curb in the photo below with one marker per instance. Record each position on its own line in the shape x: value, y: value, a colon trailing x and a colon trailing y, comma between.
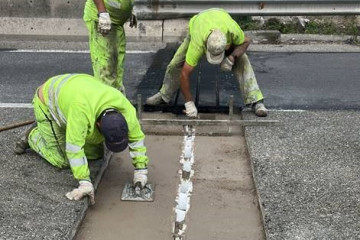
x: 71, y: 34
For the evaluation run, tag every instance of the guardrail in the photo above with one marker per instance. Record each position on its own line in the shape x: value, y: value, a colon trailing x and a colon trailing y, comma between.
x: 167, y: 9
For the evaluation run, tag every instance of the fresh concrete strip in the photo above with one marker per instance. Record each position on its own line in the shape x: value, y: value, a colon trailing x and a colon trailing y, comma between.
x: 111, y: 218
x: 223, y: 203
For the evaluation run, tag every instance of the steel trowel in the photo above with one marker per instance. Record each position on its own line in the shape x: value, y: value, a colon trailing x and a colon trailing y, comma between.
x: 134, y: 192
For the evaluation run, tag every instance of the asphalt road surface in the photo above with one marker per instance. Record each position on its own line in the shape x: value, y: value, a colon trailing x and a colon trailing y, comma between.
x: 288, y: 80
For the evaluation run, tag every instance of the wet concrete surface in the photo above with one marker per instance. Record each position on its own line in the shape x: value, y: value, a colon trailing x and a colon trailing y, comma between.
x: 223, y: 204
x: 112, y: 218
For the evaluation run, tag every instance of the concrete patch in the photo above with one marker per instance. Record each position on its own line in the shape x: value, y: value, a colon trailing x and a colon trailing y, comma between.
x: 112, y: 218
x: 224, y: 202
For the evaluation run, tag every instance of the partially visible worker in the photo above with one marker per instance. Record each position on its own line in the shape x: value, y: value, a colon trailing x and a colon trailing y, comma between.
x: 75, y: 114
x: 215, y: 34
x: 104, y: 20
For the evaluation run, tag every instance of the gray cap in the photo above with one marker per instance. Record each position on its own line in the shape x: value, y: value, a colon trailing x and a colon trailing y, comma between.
x: 215, y: 46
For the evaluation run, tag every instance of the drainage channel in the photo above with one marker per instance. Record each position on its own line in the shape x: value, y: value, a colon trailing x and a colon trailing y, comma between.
x: 218, y: 186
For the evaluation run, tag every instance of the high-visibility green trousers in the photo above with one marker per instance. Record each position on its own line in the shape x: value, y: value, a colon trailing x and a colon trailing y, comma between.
x: 48, y: 139
x: 108, y: 54
x: 242, y: 70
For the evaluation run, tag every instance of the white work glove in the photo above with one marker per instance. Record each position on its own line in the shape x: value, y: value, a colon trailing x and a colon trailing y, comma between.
x: 190, y: 109
x: 85, y: 188
x: 133, y: 20
x: 140, y: 175
x: 104, y: 24
x: 226, y: 65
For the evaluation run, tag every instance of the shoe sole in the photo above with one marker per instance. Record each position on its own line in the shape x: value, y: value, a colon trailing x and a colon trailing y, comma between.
x: 261, y: 113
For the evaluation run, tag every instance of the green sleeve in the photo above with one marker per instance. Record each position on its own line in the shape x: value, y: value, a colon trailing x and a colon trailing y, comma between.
x: 136, y: 136
x: 237, y: 36
x: 194, y: 54
x: 76, y: 132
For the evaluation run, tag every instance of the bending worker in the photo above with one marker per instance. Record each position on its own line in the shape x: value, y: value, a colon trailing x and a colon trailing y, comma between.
x: 212, y: 32
x: 104, y: 20
x: 75, y: 114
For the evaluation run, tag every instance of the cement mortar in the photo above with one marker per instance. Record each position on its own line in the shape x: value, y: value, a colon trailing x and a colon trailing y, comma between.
x: 223, y: 203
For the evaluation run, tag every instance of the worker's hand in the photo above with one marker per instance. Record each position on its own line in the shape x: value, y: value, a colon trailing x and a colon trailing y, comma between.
x: 104, y: 25
x: 226, y: 65
x: 190, y: 109
x: 140, y: 175
x: 133, y: 21
x: 85, y: 188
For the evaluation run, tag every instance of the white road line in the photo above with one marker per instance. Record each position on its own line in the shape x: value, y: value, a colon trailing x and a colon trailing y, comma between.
x: 16, y: 105
x: 72, y: 51
x: 287, y: 110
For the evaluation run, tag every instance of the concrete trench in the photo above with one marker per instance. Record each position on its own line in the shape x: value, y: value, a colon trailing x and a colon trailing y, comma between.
x: 221, y: 202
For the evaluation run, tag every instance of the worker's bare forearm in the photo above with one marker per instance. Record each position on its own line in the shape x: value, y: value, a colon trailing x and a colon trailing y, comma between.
x: 100, y: 5
x: 185, y: 81
x: 185, y: 88
x: 241, y: 49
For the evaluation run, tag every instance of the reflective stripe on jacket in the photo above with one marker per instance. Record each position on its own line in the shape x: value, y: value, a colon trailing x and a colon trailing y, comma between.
x: 76, y: 101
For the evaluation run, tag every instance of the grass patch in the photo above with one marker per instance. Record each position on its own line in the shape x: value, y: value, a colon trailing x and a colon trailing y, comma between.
x: 314, y: 27
x: 348, y: 27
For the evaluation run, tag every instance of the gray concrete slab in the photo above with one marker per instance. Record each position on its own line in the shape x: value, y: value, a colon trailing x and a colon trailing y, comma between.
x: 223, y: 204
x: 112, y: 218
x: 307, y: 174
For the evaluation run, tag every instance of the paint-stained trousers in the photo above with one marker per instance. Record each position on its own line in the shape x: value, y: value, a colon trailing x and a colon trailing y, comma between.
x: 108, y: 54
x: 48, y: 139
x: 242, y: 70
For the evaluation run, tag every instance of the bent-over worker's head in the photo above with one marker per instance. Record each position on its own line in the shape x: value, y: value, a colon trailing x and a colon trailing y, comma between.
x: 114, y: 128
x: 215, y: 46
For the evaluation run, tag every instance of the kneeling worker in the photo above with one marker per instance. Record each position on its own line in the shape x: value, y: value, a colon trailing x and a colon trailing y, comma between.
x: 75, y: 114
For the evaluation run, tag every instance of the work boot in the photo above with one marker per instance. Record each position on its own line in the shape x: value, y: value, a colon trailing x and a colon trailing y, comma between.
x: 155, y: 100
x: 122, y: 90
x: 259, y: 109
x: 23, y: 143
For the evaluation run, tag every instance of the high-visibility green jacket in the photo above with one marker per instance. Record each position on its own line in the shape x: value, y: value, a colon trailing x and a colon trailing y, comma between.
x: 119, y: 10
x: 75, y: 102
